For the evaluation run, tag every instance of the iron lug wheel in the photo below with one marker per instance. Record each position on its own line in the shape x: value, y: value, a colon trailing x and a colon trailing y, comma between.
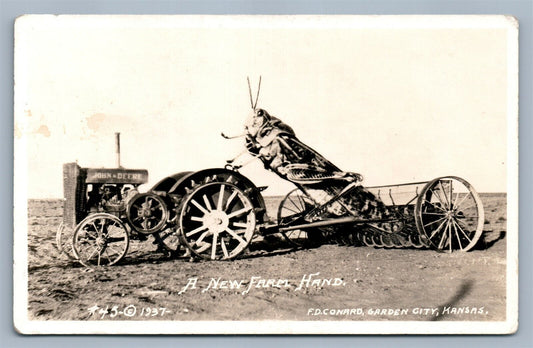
x: 217, y: 221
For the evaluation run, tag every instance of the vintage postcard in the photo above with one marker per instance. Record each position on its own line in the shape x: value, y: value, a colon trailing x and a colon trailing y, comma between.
x: 266, y: 174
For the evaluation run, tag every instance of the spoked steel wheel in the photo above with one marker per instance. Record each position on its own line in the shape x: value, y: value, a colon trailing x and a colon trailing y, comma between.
x: 291, y: 209
x: 64, y: 237
x: 100, y: 240
x: 147, y: 213
x: 217, y: 221
x: 59, y: 237
x: 449, y: 215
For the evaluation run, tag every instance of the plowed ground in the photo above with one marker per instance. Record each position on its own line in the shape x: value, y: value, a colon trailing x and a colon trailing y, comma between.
x: 377, y: 282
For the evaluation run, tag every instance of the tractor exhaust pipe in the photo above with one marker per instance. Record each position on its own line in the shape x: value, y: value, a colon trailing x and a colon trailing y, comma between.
x: 117, y: 148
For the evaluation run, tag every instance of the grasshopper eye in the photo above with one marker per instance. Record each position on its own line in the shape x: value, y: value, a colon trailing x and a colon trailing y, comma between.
x: 260, y: 112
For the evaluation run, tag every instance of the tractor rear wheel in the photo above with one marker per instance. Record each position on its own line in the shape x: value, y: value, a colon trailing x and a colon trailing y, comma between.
x: 217, y: 220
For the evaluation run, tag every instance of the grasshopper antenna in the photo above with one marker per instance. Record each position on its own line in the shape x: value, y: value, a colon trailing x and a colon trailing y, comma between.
x: 257, y: 95
x: 250, y: 93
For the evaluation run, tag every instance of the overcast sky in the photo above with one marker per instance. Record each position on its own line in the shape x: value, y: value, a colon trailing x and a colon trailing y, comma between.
x: 397, y: 99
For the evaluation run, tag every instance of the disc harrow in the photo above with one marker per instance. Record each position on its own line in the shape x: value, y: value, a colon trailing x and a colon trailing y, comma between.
x: 372, y: 237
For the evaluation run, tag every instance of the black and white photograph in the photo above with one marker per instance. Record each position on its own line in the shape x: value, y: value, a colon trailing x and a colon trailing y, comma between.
x: 256, y: 174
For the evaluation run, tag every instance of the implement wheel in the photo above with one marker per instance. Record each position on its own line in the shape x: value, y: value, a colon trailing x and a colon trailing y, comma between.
x: 291, y: 211
x: 147, y: 213
x: 100, y: 240
x: 217, y: 221
x: 449, y: 215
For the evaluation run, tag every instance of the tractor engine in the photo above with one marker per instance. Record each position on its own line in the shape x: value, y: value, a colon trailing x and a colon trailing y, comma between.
x: 109, y: 198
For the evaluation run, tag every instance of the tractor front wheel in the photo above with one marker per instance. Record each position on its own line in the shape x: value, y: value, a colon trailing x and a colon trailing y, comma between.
x: 100, y: 240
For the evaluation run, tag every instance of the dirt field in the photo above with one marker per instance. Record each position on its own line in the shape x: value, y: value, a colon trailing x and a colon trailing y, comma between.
x: 358, y: 283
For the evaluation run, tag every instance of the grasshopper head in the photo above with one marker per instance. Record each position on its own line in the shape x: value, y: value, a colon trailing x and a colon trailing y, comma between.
x: 255, y: 121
